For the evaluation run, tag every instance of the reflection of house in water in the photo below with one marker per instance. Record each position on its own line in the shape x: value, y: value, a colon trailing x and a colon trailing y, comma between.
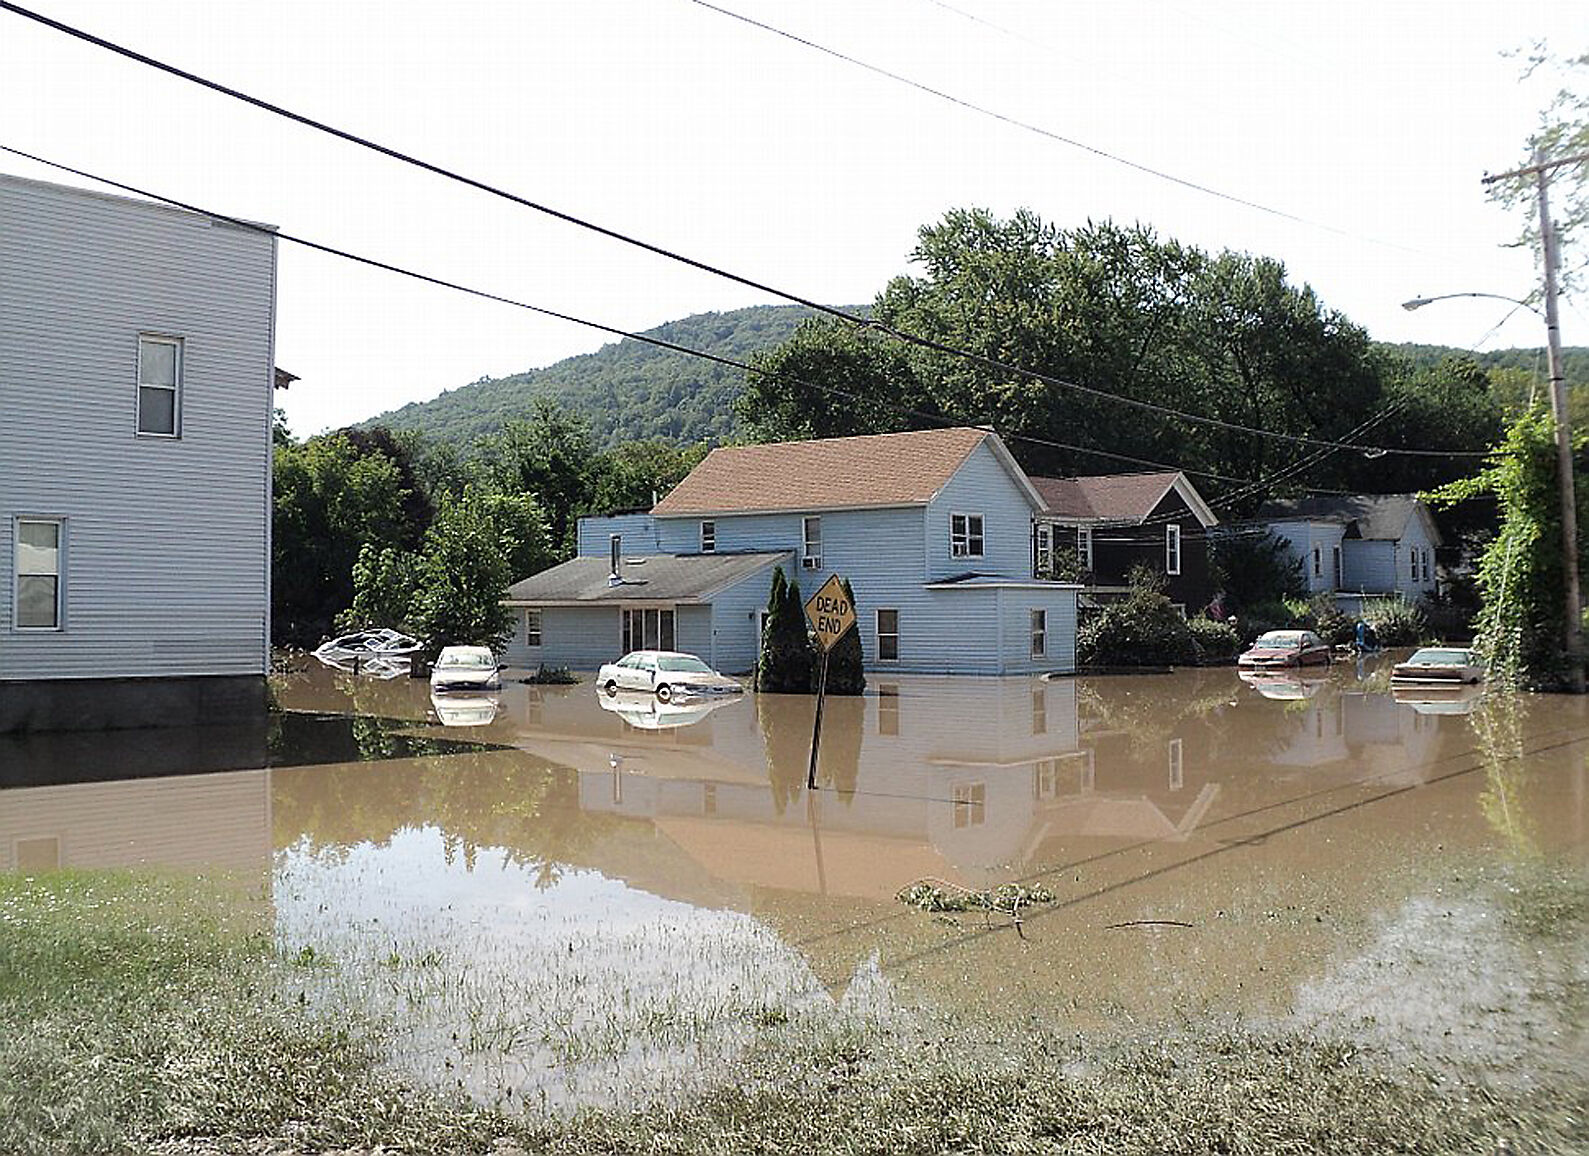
x: 925, y: 776
x: 1381, y: 737
x: 214, y: 821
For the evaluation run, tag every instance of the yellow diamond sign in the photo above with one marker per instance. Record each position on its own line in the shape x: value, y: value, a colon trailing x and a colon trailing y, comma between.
x: 830, y: 613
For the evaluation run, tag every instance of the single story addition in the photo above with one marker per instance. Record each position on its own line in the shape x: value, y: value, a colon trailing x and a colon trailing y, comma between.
x: 932, y: 529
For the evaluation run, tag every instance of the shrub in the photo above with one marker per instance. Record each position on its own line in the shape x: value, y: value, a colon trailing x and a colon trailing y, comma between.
x: 1254, y: 568
x: 1395, y: 622
x: 1331, y: 623
x: 1215, y: 640
x: 1144, y: 630
x: 786, y: 652
x: 1263, y: 617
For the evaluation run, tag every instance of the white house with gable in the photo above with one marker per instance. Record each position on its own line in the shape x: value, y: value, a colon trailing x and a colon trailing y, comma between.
x: 136, y: 347
x: 1358, y: 546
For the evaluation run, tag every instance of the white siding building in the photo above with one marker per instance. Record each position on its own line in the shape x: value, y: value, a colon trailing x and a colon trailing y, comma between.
x: 1359, y: 547
x: 136, y: 370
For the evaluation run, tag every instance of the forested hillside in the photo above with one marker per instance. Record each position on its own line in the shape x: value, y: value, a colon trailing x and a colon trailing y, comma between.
x: 630, y: 390
x: 625, y: 391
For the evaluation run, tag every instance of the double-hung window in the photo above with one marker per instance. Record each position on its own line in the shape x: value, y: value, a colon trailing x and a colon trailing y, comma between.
x: 708, y: 537
x: 811, y: 542
x: 38, y: 574
x: 159, y: 386
x: 965, y: 535
x: 1084, y: 546
x: 1039, y: 633
x: 1172, y: 548
x: 1426, y: 565
x: 532, y: 628
x: 888, y: 635
x: 1043, y: 550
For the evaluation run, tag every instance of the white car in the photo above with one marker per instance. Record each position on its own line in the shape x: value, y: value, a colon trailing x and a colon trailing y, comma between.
x: 665, y: 673
x: 466, y: 668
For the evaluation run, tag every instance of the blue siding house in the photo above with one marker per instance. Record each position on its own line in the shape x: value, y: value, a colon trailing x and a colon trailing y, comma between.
x: 933, y: 530
x: 1360, y: 546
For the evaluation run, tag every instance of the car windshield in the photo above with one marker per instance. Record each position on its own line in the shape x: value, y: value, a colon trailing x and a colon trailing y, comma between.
x: 1434, y: 657
x: 683, y: 663
x: 467, y: 658
x: 1280, y: 638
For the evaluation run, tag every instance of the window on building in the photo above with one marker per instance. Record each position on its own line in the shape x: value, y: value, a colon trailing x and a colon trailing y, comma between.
x: 1039, y: 633
x: 971, y: 804
x: 532, y: 628
x: 1335, y: 554
x: 1177, y: 765
x: 887, y: 709
x: 1045, y: 779
x: 708, y: 537
x: 1318, y: 562
x: 887, y: 635
x: 811, y: 536
x: 1413, y: 554
x: 1084, y: 546
x: 965, y: 535
x: 38, y: 574
x: 1426, y: 565
x: 1172, y: 548
x: 648, y: 629
x: 1043, y: 550
x: 159, y: 385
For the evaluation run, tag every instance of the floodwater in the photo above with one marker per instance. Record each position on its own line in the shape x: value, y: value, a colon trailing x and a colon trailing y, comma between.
x: 547, y: 893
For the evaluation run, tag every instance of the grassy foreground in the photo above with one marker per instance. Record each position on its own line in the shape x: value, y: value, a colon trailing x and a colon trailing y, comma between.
x: 140, y: 1015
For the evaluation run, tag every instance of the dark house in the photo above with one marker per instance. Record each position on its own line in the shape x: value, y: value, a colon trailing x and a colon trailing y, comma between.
x: 1119, y: 521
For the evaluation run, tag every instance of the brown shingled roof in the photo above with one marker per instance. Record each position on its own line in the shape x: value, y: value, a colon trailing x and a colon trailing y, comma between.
x: 874, y: 470
x: 1122, y: 497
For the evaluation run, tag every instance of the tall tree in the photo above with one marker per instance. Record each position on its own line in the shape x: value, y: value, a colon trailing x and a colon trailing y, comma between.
x: 549, y: 455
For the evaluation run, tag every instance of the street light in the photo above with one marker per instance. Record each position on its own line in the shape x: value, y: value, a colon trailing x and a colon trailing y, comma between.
x: 1420, y: 302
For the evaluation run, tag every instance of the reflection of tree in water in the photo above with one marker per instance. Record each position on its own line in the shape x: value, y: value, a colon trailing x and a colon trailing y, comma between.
x: 1497, y: 724
x: 785, y: 721
x: 522, y: 804
x: 1151, y: 710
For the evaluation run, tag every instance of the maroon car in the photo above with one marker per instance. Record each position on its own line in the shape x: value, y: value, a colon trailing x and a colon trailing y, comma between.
x: 1282, y: 648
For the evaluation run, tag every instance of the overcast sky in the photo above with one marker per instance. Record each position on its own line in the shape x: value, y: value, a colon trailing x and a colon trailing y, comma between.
x: 1370, y: 120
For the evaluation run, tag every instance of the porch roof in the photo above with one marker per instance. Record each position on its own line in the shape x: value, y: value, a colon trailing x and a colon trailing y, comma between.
x: 650, y: 578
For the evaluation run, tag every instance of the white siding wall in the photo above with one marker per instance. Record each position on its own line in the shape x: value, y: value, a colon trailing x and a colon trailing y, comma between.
x: 166, y: 565
x: 735, y: 640
x: 1371, y: 566
x: 578, y: 637
x: 1015, y: 608
x: 1303, y: 538
x: 981, y: 486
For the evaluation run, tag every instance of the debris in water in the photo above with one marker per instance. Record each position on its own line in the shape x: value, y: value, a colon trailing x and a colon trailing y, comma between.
x: 931, y: 894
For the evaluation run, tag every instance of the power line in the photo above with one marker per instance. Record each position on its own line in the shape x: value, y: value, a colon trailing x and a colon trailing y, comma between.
x: 1028, y: 126
x: 569, y: 218
x: 728, y: 362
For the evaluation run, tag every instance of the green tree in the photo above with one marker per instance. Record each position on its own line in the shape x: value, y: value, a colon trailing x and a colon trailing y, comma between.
x: 549, y: 455
x: 846, y: 664
x: 786, y: 652
x: 1254, y: 567
x: 386, y: 584
x: 330, y: 501
x: 464, y: 572
x: 1520, y: 625
x: 635, y: 475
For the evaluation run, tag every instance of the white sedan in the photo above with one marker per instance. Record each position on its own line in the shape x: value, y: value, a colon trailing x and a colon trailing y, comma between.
x: 465, y: 668
x: 664, y: 672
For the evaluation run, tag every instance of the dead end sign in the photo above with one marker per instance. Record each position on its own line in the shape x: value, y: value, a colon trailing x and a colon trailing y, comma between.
x: 830, y: 613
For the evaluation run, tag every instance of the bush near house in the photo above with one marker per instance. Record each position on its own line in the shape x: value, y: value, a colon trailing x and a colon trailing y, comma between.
x: 1395, y: 622
x: 787, y: 656
x: 1143, y: 630
x: 1320, y: 615
x: 1216, y: 641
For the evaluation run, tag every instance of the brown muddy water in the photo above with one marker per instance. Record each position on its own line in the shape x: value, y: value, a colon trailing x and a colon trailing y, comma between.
x: 553, y: 895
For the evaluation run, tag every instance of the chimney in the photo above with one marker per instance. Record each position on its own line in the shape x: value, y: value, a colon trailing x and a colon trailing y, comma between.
x: 615, y: 553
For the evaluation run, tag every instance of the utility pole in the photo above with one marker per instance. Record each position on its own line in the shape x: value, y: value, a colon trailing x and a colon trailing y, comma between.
x: 1572, y: 635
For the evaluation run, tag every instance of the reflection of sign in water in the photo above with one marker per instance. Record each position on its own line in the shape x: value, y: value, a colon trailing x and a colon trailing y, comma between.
x: 830, y: 613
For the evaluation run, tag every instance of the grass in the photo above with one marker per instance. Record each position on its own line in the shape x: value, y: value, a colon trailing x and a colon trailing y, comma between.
x: 149, y: 1015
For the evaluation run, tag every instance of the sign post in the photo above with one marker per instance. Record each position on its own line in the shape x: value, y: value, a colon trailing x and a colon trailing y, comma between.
x: 831, y: 617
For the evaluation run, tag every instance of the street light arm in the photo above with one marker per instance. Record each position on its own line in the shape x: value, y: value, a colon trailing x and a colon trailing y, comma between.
x: 1420, y: 302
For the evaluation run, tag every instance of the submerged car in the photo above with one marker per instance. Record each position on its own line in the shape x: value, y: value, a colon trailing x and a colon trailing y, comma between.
x: 1439, y: 665
x: 666, y: 673
x: 1281, y: 648
x: 465, y: 668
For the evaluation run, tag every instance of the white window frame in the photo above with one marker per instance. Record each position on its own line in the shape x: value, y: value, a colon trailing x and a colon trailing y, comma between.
x: 881, y: 634
x: 17, y: 574
x: 708, y: 536
x: 1039, y: 633
x: 811, y: 542
x: 1426, y: 565
x: 1084, y: 546
x: 1412, y: 552
x: 1043, y: 552
x: 533, y: 625
x: 1335, y: 563
x: 962, y: 536
x: 1172, y: 548
x: 1318, y: 561
x: 626, y: 631
x: 175, y: 388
